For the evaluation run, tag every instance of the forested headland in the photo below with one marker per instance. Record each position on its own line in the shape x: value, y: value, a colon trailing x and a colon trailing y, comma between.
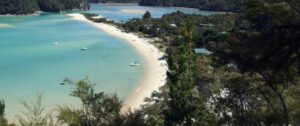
x: 209, y: 5
x: 21, y: 7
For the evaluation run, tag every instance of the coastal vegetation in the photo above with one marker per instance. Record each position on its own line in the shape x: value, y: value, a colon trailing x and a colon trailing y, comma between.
x: 18, y: 7
x: 251, y: 77
x: 147, y: 15
x: 22, y: 7
x: 169, y: 26
x: 96, y: 18
x: 3, y: 120
x: 62, y: 5
x: 210, y: 5
x: 35, y: 114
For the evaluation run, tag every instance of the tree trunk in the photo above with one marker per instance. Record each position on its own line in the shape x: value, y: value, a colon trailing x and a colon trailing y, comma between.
x: 285, y: 110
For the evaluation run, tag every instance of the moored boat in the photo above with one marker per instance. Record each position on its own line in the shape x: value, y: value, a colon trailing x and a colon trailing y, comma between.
x: 136, y: 63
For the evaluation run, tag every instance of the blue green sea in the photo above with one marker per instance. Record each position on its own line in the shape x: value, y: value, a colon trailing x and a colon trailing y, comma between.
x: 38, y: 52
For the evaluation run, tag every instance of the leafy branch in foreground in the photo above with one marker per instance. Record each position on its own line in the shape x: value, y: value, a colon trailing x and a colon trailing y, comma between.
x: 267, y: 50
x: 3, y: 121
x: 35, y: 115
x: 98, y: 109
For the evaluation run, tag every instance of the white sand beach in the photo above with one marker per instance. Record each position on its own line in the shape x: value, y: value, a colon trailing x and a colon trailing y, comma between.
x: 155, y: 75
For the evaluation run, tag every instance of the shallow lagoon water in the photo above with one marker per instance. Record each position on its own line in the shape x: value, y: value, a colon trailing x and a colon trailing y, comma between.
x: 31, y: 62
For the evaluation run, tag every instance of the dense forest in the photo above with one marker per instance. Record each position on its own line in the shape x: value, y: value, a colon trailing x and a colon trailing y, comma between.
x: 211, y: 5
x: 20, y: 7
x: 30, y: 6
x: 62, y: 5
x: 251, y: 78
x: 169, y: 26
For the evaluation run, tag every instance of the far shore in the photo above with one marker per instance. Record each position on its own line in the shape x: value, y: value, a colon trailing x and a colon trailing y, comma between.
x: 133, y: 11
x: 37, y: 13
x: 155, y: 73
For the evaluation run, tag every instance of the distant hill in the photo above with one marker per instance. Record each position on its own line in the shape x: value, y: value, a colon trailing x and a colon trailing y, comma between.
x: 20, y: 7
x: 210, y: 5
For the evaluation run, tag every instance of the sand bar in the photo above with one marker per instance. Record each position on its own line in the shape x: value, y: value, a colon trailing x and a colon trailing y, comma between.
x: 155, y: 73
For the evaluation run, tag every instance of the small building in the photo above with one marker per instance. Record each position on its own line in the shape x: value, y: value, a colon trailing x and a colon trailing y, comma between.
x: 148, y: 26
x: 207, y: 25
x: 232, y: 66
x: 173, y: 25
x: 202, y: 51
x: 223, y: 32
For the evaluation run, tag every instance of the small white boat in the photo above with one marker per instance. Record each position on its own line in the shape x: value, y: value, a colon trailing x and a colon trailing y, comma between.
x: 136, y: 63
x: 84, y: 49
x: 55, y: 43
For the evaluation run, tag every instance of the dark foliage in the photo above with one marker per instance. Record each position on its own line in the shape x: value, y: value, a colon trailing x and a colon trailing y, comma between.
x: 20, y: 7
x: 3, y: 121
x: 211, y: 5
x: 147, y: 15
x: 206, y: 28
x: 267, y: 47
x: 62, y: 5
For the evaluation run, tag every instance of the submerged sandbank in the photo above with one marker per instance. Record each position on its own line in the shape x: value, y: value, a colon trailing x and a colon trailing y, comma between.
x: 5, y: 26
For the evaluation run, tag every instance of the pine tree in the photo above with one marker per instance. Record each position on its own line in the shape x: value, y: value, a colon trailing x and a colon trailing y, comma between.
x: 147, y: 15
x: 185, y: 102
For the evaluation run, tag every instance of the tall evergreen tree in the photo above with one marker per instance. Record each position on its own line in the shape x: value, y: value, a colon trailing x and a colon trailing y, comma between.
x: 147, y: 15
x: 185, y: 102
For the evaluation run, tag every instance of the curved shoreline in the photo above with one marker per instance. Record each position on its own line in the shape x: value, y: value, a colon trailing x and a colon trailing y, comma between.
x: 155, y: 73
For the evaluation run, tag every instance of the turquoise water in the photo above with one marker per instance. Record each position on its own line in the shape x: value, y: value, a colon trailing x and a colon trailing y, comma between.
x: 30, y: 62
